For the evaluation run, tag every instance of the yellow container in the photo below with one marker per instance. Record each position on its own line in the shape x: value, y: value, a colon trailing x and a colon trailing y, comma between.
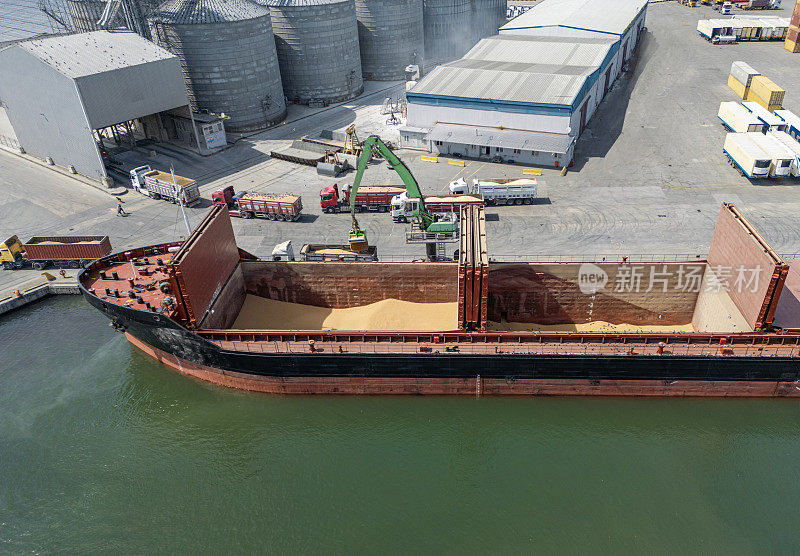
x: 738, y: 88
x: 792, y: 46
x: 764, y: 88
x: 761, y: 101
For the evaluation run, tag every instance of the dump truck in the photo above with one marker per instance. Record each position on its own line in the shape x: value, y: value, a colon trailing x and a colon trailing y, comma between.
x: 404, y: 207
x: 272, y: 206
x: 165, y: 185
x: 323, y: 252
x: 746, y: 156
x: 500, y: 191
x: 62, y: 251
x: 376, y: 198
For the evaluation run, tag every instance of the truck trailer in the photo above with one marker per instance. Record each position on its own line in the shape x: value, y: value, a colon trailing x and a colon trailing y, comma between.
x: 499, y: 191
x: 746, y: 156
x: 404, y: 207
x: 770, y: 120
x: 165, y: 185
x: 376, y: 198
x: 272, y: 206
x: 793, y: 146
x: 737, y: 118
x: 781, y: 156
x: 61, y: 251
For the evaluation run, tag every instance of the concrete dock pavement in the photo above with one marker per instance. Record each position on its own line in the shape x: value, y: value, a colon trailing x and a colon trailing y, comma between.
x: 24, y: 286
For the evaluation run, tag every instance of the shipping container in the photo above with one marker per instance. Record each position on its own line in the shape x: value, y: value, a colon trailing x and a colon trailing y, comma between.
x: 792, y: 122
x: 74, y: 250
x: 737, y: 87
x: 771, y: 121
x: 743, y: 73
x: 737, y: 118
x: 793, y: 146
x: 765, y: 89
x: 746, y: 156
x: 782, y: 157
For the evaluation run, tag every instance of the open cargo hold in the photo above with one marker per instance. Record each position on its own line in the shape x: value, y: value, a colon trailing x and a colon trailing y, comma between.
x: 273, y: 206
x: 793, y: 146
x: 770, y: 120
x: 765, y: 92
x: 67, y: 248
x: 782, y: 157
x: 743, y: 73
x: 163, y: 185
x: 747, y: 156
x: 737, y: 118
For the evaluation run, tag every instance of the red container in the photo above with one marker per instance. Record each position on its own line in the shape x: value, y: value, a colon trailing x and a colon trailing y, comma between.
x: 67, y: 248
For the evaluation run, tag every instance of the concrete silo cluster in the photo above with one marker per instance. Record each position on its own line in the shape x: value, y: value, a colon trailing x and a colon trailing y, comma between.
x: 249, y: 58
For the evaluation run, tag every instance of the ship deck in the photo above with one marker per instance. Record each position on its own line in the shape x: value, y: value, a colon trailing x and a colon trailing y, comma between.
x: 623, y: 345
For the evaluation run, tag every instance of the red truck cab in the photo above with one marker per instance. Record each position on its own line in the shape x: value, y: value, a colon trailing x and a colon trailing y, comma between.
x: 329, y: 198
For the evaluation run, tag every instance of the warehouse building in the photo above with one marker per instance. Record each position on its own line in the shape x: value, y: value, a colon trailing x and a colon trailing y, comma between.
x: 526, y: 94
x: 57, y: 91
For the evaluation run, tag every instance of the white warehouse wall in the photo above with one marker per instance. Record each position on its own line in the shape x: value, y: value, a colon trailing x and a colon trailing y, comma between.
x: 425, y: 115
x: 46, y: 112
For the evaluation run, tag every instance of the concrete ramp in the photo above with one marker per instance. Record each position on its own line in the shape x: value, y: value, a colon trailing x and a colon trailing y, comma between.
x: 747, y: 267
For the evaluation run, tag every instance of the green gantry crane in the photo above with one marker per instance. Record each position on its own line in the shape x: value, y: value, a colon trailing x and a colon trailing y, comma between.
x: 426, y: 221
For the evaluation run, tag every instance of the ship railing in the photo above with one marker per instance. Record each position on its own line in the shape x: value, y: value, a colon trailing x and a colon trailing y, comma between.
x: 586, y: 350
x: 585, y: 258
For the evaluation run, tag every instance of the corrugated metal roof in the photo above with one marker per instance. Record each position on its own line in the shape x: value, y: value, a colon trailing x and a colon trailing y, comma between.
x: 605, y: 16
x: 96, y: 52
x: 490, y: 81
x: 496, y: 137
x: 193, y: 12
x: 542, y: 50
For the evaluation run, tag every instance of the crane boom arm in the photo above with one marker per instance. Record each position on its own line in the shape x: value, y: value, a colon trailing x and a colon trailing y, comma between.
x: 397, y: 165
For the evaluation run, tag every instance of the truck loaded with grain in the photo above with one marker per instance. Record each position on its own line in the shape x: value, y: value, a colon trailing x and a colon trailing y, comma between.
x: 60, y: 251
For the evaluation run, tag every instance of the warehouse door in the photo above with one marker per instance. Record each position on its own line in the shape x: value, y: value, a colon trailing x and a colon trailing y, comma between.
x: 624, y: 52
x: 608, y: 76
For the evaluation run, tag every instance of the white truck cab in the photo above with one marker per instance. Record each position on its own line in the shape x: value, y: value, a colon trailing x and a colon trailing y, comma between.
x: 137, y: 179
x: 403, y: 207
x: 726, y: 8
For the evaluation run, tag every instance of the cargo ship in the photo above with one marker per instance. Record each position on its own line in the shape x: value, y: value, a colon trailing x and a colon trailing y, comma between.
x: 725, y: 325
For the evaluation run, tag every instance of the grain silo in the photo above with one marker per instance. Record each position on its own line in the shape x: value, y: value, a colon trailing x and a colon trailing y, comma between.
x: 487, y: 17
x: 390, y: 36
x: 227, y: 53
x: 317, y: 42
x: 85, y: 14
x: 448, y: 29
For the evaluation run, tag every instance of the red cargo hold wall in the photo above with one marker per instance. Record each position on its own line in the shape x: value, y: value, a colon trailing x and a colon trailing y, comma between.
x: 204, y: 263
x: 557, y: 293
x: 348, y: 284
x: 737, y: 254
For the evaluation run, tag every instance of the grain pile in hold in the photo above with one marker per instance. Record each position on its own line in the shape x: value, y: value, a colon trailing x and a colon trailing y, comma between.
x: 259, y: 313
x: 335, y: 252
x: 593, y: 326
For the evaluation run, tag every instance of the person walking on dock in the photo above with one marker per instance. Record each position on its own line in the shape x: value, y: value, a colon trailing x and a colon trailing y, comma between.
x: 120, y: 210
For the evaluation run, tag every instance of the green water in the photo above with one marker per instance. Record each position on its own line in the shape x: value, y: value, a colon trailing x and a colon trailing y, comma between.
x: 102, y: 449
